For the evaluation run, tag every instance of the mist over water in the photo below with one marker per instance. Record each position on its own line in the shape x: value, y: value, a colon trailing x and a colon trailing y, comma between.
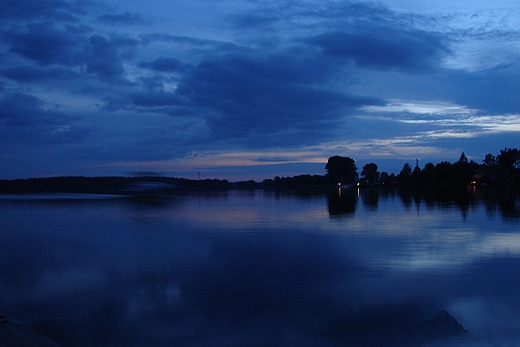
x: 263, y: 268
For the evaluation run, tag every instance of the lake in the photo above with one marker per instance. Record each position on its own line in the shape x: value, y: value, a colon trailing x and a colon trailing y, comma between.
x: 264, y: 268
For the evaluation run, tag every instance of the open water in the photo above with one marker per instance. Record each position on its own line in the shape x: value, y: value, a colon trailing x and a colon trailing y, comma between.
x: 263, y: 268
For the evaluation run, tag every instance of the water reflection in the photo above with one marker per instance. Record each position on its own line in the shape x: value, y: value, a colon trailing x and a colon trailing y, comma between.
x: 264, y: 268
x: 343, y: 202
x: 502, y: 200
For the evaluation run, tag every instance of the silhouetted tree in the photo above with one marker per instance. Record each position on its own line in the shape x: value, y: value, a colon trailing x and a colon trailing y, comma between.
x: 462, y: 170
x: 341, y: 169
x: 443, y: 172
x: 370, y: 173
x: 508, y: 158
x: 405, y: 175
x: 416, y: 174
x: 508, y: 161
x: 490, y: 168
x: 428, y: 173
x: 489, y: 160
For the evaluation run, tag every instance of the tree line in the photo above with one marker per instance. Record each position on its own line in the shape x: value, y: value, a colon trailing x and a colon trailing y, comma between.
x: 503, y: 168
x: 494, y: 169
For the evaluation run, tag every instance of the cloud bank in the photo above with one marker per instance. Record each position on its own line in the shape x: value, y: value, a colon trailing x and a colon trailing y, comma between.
x: 100, y: 84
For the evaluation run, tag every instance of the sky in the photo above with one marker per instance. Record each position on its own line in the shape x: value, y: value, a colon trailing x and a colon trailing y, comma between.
x: 247, y: 89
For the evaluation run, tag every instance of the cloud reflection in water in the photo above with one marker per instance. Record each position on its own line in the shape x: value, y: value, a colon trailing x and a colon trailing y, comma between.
x: 284, y: 273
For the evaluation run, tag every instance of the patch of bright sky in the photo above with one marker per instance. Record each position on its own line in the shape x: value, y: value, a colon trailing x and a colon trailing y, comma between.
x: 223, y: 164
x: 504, y: 123
x: 419, y: 107
x: 444, y: 114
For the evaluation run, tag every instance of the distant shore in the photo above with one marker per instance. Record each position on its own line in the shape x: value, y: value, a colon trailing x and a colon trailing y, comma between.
x: 173, y: 185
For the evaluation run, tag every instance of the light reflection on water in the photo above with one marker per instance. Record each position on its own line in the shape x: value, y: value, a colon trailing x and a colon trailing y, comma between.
x: 247, y: 268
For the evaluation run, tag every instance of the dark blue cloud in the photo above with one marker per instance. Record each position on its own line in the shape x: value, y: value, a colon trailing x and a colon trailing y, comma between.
x: 24, y: 110
x: 273, y: 73
x: 154, y: 99
x: 192, y: 43
x: 493, y: 90
x: 36, y: 9
x: 46, y: 44
x: 250, y: 93
x: 126, y: 18
x: 245, y: 94
x: 103, y: 58
x: 164, y: 65
x: 66, y: 43
x: 27, y: 73
x: 255, y: 20
x: 25, y: 118
x: 310, y: 16
x: 385, y: 48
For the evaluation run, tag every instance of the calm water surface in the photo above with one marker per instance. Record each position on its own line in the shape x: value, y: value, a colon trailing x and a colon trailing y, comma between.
x: 262, y: 268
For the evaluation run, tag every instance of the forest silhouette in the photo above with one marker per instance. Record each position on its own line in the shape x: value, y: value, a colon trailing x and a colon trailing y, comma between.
x: 504, y: 168
x: 500, y: 169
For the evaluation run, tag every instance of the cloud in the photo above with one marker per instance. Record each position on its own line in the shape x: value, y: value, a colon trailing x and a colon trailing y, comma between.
x: 248, y: 93
x: 35, y: 9
x: 155, y: 99
x: 126, y: 18
x: 255, y: 20
x: 258, y: 74
x: 432, y: 109
x: 164, y: 65
x: 23, y: 110
x: 46, y: 44
x: 305, y: 17
x: 25, y: 118
x: 384, y: 48
x: 189, y: 43
x: 66, y: 44
x: 493, y: 90
x: 103, y: 58
x: 31, y: 74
